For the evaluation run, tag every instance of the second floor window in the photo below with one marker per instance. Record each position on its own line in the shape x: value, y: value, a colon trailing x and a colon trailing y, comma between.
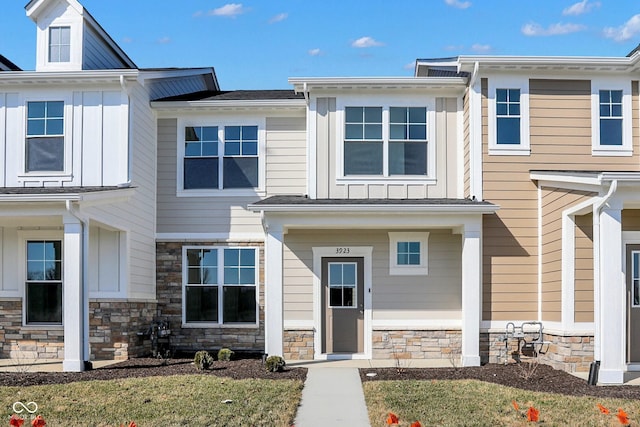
x: 385, y: 142
x: 45, y: 136
x: 610, y: 117
x: 507, y: 116
x: 220, y: 157
x: 59, y: 44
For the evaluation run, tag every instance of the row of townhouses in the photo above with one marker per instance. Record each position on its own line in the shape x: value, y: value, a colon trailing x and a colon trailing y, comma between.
x: 439, y: 216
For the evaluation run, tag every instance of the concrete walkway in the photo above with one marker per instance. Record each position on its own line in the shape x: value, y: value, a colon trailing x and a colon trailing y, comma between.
x: 332, y: 397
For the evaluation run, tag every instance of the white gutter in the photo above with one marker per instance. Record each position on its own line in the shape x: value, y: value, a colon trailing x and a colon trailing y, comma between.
x: 598, y: 279
x: 425, y: 209
x: 85, y: 285
x: 230, y: 103
x: 127, y: 90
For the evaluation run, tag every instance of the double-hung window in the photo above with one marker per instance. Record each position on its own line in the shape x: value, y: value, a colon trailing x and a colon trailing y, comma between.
x: 610, y: 102
x: 220, y: 157
x: 508, y: 115
x: 59, y: 44
x: 45, y: 136
x: 611, y: 117
x: 220, y: 285
x: 44, y: 282
x: 385, y: 141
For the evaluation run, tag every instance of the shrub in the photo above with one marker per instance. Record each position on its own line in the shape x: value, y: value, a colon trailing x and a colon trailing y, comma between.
x: 203, y: 360
x: 275, y: 364
x: 225, y: 354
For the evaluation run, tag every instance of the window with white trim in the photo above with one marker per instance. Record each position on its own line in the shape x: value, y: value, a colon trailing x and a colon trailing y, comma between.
x: 59, y: 44
x: 221, y: 157
x: 408, y: 253
x: 44, y: 149
x: 43, y: 287
x: 611, y: 124
x: 508, y: 109
x: 220, y: 285
x: 385, y: 142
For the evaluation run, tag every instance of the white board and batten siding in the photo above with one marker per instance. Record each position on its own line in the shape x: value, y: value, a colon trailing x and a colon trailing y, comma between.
x: 434, y: 297
x: 222, y: 214
x: 329, y: 183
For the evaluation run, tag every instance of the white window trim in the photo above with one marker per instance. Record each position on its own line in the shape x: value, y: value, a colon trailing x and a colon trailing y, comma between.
x: 66, y: 174
x: 221, y: 123
x: 23, y: 237
x: 623, y: 84
x: 185, y: 272
x: 509, y: 82
x: 386, y: 103
x: 75, y: 50
x: 408, y: 270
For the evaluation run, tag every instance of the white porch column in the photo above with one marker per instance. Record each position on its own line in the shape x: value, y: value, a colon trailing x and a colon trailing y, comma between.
x: 471, y: 292
x: 273, y: 291
x: 612, y: 296
x: 72, y: 296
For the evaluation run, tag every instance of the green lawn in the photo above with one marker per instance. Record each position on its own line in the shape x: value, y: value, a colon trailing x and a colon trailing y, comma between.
x: 185, y: 400
x: 475, y: 403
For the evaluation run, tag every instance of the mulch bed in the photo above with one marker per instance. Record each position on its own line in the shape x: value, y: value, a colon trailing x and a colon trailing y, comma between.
x: 543, y: 378
x: 150, y: 367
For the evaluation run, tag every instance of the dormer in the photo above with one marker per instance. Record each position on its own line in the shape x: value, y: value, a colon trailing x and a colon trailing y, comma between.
x: 70, y: 39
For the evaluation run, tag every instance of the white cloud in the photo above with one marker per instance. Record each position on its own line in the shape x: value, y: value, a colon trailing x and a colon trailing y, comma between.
x: 580, y: 8
x: 230, y: 10
x: 314, y: 52
x: 459, y: 4
x: 127, y: 40
x: 454, y: 47
x: 624, y: 32
x: 366, y: 42
x: 410, y: 66
x: 164, y: 40
x: 279, y: 17
x: 198, y: 14
x: 534, y: 29
x: 481, y: 48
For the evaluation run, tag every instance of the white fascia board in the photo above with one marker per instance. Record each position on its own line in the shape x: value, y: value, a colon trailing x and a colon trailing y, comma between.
x: 35, y: 7
x: 315, y: 83
x: 226, y: 104
x: 560, y: 61
x: 569, y: 178
x: 93, y: 197
x: 342, y: 209
x: 62, y: 77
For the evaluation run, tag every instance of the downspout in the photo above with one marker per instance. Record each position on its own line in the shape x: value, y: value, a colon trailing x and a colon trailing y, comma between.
x: 305, y: 92
x: 126, y: 89
x: 597, y: 207
x: 85, y: 285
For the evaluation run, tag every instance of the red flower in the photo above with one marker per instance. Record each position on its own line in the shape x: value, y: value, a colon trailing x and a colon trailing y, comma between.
x: 533, y: 414
x: 515, y: 405
x: 416, y: 424
x: 38, y: 422
x: 392, y: 419
x: 623, y: 417
x: 133, y: 424
x: 603, y: 409
x: 16, y: 421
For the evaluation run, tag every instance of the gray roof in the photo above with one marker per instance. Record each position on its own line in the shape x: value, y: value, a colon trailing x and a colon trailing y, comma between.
x: 435, y: 72
x: 305, y: 201
x: 56, y: 190
x: 5, y: 63
x: 235, y: 95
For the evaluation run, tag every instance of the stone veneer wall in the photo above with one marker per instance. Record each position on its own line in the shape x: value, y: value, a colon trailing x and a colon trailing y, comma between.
x: 114, y: 327
x: 417, y: 344
x: 24, y: 343
x: 298, y: 345
x: 568, y: 353
x: 169, y: 295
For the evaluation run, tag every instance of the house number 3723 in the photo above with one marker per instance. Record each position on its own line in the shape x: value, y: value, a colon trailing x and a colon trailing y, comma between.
x: 342, y: 251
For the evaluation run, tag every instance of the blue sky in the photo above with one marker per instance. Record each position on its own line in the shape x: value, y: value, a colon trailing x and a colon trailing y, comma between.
x: 258, y: 44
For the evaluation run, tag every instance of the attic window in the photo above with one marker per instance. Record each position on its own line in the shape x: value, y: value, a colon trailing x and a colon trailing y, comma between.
x: 59, y: 44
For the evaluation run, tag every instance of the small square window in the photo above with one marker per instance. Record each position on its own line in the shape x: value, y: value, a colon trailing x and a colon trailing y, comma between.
x: 408, y: 253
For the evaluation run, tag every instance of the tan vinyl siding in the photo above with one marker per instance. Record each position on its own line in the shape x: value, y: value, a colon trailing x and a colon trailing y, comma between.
x: 631, y: 220
x: 435, y: 296
x: 286, y: 155
x: 560, y: 129
x: 467, y: 144
x: 583, y: 291
x: 554, y: 201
